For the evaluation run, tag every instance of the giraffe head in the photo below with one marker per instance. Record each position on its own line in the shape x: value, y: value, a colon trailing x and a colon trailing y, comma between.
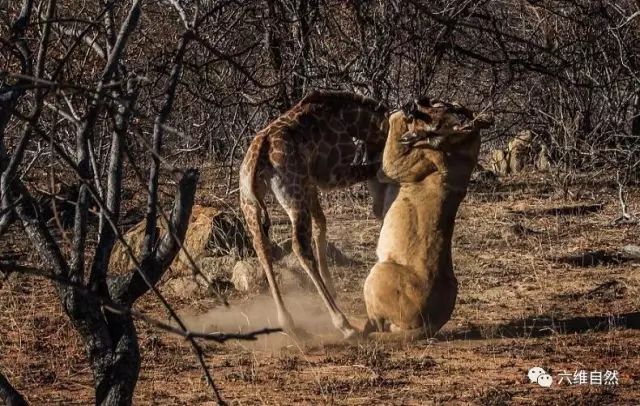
x: 426, y: 137
x: 440, y: 126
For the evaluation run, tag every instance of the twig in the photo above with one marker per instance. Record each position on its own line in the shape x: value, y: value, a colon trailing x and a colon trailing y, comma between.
x: 79, y: 34
x: 625, y: 217
x: 52, y: 254
x: 181, y: 13
x: 194, y: 267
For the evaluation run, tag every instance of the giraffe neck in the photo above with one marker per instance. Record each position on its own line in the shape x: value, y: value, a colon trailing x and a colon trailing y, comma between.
x: 356, y: 122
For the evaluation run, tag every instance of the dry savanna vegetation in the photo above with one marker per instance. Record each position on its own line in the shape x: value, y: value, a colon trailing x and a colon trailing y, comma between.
x: 126, y: 272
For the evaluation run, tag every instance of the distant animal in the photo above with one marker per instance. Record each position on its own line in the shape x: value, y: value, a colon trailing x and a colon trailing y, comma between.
x: 525, y: 150
x: 430, y: 153
x: 309, y: 148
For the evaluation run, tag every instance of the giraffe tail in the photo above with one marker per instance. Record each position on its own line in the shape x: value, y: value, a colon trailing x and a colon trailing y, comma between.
x: 248, y: 177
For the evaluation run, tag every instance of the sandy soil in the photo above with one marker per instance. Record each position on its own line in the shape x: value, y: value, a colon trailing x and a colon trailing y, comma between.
x: 527, y: 298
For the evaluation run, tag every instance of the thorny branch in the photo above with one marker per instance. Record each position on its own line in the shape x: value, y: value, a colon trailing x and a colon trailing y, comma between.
x: 150, y: 228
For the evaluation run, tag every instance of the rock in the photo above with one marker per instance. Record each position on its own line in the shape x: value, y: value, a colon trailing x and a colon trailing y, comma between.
x: 291, y: 275
x: 245, y: 277
x: 499, y: 162
x: 288, y: 259
x: 211, y: 233
x: 632, y: 251
x: 483, y: 175
x: 184, y: 286
x: 229, y: 237
x: 520, y: 151
x: 217, y: 268
x: 523, y: 151
x: 543, y: 164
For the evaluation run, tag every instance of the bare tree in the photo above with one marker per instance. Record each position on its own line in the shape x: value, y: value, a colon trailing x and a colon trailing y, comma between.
x: 99, y: 305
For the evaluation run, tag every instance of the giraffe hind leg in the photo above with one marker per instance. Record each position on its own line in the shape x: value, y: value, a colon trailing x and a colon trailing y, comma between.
x: 253, y: 211
x: 304, y: 252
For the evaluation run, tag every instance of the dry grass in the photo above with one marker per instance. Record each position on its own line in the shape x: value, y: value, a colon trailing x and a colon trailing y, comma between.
x: 519, y: 306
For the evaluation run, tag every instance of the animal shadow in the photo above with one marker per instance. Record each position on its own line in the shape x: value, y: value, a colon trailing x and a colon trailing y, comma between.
x: 545, y: 326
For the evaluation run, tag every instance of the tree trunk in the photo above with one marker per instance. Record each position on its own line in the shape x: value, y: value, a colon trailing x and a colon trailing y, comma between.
x: 116, y: 371
x: 8, y: 394
x: 305, y: 11
x: 273, y: 43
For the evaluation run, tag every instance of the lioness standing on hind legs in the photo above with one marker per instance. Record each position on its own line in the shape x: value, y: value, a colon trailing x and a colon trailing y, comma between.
x: 428, y: 158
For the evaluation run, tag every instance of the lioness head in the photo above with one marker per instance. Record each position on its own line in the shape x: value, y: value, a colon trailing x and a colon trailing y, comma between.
x: 439, y: 125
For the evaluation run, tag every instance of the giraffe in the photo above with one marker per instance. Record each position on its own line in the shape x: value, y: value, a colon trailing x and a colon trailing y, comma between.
x: 430, y: 152
x: 309, y: 148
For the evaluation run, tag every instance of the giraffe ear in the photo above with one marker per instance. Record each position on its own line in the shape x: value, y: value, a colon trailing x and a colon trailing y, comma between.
x: 483, y: 120
x: 409, y: 109
x: 423, y: 101
x: 460, y: 109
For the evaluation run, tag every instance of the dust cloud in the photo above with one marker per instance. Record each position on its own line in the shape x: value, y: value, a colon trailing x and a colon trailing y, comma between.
x: 306, y: 308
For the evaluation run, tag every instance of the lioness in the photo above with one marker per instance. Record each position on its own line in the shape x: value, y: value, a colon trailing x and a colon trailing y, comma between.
x: 429, y: 155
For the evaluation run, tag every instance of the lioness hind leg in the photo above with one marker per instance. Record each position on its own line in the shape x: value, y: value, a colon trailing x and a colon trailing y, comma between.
x: 371, y: 326
x: 394, y: 294
x: 400, y: 336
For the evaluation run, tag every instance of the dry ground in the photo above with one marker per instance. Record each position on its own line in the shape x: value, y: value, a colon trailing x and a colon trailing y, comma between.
x: 519, y: 306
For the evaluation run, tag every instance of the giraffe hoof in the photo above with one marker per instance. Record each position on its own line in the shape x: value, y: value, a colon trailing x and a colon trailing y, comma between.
x: 352, y: 334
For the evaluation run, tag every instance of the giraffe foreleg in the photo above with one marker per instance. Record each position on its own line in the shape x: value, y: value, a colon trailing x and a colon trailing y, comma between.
x: 320, y: 240
x: 301, y: 219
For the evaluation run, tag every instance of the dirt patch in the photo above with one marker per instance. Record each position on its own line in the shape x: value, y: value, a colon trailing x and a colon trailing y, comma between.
x: 518, y: 308
x: 260, y: 311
